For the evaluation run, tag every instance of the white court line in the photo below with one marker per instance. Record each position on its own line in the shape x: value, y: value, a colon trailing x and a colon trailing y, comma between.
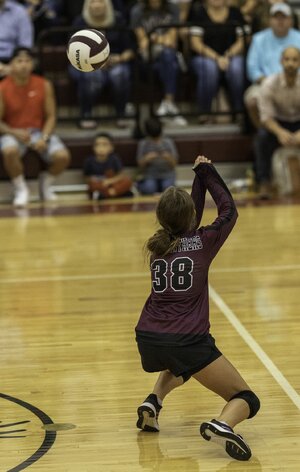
x: 255, y: 347
x: 228, y: 313
x: 62, y: 278
x: 131, y: 275
x: 258, y: 269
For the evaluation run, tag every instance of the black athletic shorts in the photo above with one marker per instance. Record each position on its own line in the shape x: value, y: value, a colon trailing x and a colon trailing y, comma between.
x: 182, y: 361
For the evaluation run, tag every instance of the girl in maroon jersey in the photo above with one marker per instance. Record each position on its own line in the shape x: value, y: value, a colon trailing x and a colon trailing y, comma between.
x: 173, y: 330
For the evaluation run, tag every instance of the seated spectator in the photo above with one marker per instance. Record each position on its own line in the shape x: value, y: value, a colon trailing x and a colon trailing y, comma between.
x: 261, y: 19
x: 104, y: 171
x: 27, y: 114
x: 144, y: 18
x: 279, y: 107
x: 15, y: 31
x: 70, y: 9
x: 264, y: 54
x: 183, y: 8
x: 248, y: 8
x: 116, y: 73
x: 43, y: 14
x: 157, y: 158
x: 218, y: 48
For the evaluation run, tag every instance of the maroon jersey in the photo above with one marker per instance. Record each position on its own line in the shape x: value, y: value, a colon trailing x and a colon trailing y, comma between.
x: 177, y: 310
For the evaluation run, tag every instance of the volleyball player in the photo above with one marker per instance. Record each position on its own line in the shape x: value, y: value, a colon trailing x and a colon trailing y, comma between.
x: 173, y: 330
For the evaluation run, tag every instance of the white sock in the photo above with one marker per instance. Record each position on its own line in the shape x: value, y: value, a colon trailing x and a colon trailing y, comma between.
x: 19, y: 182
x: 159, y: 401
x: 48, y: 179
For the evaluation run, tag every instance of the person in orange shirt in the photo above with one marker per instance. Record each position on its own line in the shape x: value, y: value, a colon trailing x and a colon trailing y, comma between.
x: 27, y: 120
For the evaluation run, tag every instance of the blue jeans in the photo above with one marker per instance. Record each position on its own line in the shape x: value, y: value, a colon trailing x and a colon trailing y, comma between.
x: 149, y: 186
x: 209, y: 77
x: 90, y: 85
x: 166, y: 65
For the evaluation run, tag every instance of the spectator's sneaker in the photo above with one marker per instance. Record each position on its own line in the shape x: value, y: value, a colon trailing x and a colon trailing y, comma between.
x: 234, y: 444
x: 172, y: 108
x: 130, y: 109
x: 173, y: 111
x: 148, y: 413
x: 46, y: 192
x: 163, y: 109
x: 87, y: 124
x: 179, y: 120
x: 21, y: 196
x: 265, y: 191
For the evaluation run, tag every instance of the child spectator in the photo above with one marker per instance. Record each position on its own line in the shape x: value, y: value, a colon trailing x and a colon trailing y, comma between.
x: 157, y: 157
x: 103, y: 171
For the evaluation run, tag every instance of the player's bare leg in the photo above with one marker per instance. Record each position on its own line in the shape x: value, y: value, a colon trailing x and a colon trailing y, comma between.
x: 165, y: 383
x: 222, y: 378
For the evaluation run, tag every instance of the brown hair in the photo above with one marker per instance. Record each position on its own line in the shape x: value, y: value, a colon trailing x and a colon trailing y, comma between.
x: 175, y: 212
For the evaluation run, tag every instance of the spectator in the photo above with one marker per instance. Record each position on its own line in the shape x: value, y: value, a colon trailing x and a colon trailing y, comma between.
x: 104, y: 171
x: 218, y: 46
x: 156, y: 157
x: 43, y: 14
x: 15, y: 31
x: 27, y: 114
x: 71, y: 9
x: 261, y: 19
x: 248, y: 8
x: 117, y: 71
x: 144, y: 18
x: 183, y: 8
x: 265, y: 51
x: 279, y: 106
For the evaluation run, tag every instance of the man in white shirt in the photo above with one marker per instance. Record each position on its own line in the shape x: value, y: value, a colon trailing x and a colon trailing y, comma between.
x: 279, y: 108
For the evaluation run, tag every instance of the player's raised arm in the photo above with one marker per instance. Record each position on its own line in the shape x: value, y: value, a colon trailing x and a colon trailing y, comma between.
x: 199, y: 190
x: 219, y: 230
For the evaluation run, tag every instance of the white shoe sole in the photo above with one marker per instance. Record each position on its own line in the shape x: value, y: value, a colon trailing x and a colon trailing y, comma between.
x: 147, y: 418
x: 233, y: 444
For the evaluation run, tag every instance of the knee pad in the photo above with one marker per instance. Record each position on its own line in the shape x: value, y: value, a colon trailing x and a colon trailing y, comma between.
x: 252, y: 400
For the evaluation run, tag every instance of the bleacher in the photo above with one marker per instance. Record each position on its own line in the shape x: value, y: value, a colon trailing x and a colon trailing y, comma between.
x: 224, y: 144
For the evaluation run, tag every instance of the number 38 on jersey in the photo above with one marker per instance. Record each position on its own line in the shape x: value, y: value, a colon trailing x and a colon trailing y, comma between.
x: 178, y: 274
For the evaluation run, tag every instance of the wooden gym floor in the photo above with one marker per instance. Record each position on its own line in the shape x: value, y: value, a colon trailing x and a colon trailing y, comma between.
x: 72, y: 287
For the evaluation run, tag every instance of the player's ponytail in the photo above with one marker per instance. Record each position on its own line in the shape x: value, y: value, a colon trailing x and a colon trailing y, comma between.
x: 176, y: 214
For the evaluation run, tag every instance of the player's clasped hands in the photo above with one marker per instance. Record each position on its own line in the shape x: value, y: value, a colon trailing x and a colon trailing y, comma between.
x: 201, y: 160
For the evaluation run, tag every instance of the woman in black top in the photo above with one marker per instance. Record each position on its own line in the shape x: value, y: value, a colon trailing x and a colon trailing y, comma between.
x: 217, y: 43
x: 173, y: 330
x: 100, y: 15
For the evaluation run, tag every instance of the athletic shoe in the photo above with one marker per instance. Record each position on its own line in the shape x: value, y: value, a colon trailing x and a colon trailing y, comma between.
x: 88, y: 124
x: 148, y: 413
x: 163, y: 109
x: 21, y: 196
x: 46, y: 192
x: 234, y: 444
x: 179, y: 120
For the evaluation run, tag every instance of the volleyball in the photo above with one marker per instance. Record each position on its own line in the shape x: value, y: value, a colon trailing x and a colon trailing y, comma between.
x: 88, y: 50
